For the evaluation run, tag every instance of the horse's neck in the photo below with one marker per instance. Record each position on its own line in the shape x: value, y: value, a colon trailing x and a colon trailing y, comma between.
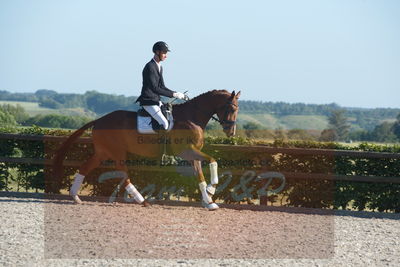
x: 195, y: 112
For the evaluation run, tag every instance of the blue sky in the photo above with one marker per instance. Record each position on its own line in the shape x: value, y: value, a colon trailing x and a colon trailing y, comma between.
x: 322, y: 51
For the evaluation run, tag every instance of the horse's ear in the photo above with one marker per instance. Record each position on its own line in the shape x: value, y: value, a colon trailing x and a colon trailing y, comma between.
x: 233, y: 94
x: 238, y: 94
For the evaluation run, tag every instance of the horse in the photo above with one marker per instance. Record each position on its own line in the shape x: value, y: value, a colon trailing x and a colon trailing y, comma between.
x: 115, y: 135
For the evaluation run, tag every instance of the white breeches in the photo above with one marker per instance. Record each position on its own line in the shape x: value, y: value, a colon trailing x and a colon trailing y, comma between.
x: 155, y: 112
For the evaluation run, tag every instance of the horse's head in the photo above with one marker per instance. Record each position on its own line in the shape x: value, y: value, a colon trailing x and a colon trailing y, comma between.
x: 227, y: 113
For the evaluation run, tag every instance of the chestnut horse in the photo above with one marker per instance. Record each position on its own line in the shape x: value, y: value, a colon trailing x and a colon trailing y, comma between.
x: 115, y: 134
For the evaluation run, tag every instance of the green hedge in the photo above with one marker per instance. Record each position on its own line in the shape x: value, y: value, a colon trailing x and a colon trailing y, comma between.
x: 243, y: 184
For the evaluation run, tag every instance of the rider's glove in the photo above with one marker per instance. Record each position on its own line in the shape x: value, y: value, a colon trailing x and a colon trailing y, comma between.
x: 180, y: 96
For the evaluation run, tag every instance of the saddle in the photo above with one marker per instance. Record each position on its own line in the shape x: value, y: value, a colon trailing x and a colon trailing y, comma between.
x: 146, y: 124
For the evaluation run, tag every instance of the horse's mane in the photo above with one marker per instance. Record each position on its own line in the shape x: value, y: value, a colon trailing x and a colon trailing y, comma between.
x: 202, y: 96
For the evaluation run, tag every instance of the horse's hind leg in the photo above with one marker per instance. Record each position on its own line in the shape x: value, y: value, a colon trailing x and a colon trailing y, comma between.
x: 129, y: 187
x: 84, y: 170
x: 133, y: 192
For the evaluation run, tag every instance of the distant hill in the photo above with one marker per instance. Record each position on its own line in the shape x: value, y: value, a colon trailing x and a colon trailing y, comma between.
x: 94, y: 101
x: 311, y: 116
x: 270, y: 115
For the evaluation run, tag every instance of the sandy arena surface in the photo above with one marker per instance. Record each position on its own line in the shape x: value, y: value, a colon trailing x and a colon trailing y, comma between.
x: 38, y: 232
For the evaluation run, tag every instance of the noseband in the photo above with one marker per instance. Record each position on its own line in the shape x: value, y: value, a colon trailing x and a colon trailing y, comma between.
x: 225, y: 123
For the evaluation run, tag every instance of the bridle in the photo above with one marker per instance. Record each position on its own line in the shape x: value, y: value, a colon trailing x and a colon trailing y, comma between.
x: 225, y: 123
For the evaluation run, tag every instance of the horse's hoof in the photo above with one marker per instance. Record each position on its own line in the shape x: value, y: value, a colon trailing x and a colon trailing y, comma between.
x: 76, y: 199
x: 146, y: 204
x: 210, y: 206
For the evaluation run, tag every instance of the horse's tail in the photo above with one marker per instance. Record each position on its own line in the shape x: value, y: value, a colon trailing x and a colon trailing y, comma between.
x: 58, y: 170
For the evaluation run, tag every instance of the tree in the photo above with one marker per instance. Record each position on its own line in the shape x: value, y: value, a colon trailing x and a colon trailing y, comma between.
x: 384, y: 133
x: 252, y: 126
x: 212, y: 125
x: 252, y: 129
x: 360, y: 135
x: 6, y: 119
x: 396, y: 127
x: 18, y: 112
x: 280, y: 134
x: 328, y: 135
x: 339, y: 124
x: 58, y: 121
x: 49, y: 103
x: 45, y: 93
x: 300, y: 134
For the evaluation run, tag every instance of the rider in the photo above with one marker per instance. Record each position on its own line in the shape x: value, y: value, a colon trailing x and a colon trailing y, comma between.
x: 153, y: 85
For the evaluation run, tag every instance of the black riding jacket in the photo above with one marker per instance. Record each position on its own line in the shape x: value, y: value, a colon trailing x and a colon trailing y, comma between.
x: 153, y: 85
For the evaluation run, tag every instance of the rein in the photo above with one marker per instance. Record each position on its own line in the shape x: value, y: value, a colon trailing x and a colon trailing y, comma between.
x: 225, y: 123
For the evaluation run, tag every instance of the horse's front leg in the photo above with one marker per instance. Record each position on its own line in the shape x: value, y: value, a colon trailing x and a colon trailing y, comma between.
x: 195, y: 156
x: 214, y: 177
x: 204, y: 188
x: 210, y: 188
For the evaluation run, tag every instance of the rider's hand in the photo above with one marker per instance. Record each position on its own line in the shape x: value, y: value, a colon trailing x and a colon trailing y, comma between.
x: 180, y: 95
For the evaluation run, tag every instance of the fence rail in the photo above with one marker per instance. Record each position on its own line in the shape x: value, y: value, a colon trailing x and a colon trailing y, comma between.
x: 230, y: 148
x: 233, y: 148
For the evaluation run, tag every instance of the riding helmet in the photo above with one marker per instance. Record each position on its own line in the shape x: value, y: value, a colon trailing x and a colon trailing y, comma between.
x: 161, y: 46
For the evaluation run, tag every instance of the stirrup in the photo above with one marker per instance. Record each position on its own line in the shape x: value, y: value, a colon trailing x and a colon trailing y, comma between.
x: 164, y: 160
x: 168, y: 160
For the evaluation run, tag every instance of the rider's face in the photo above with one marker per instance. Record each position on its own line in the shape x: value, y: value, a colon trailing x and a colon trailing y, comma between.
x: 161, y: 55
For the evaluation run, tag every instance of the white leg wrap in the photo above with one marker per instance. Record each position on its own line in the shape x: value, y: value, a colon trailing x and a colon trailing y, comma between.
x: 206, y: 198
x: 211, y: 189
x: 131, y: 189
x: 78, y: 179
x: 214, y: 172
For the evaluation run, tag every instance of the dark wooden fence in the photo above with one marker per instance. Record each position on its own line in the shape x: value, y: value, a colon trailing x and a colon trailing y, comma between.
x: 234, y: 149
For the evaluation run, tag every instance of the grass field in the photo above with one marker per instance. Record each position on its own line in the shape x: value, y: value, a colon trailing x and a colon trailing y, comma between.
x: 269, y: 121
x: 306, y: 122
x: 33, y: 108
x: 266, y: 120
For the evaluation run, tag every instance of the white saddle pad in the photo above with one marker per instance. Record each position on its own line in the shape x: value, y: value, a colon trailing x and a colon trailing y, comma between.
x: 144, y: 124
